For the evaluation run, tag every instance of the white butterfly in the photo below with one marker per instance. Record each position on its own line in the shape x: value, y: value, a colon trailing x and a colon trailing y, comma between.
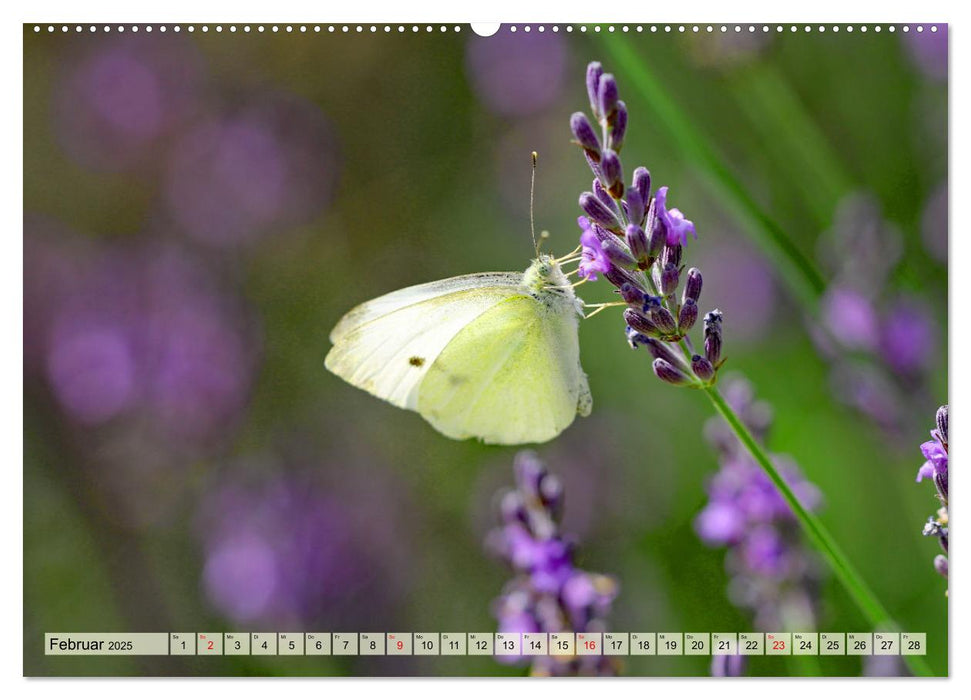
x: 493, y: 355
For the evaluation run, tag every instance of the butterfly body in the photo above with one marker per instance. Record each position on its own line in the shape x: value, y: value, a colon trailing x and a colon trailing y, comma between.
x: 493, y: 356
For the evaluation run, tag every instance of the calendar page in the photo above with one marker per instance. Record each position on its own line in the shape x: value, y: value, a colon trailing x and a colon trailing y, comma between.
x: 485, y: 350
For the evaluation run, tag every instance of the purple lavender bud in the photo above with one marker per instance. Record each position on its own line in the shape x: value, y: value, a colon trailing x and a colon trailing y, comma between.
x: 607, y: 95
x: 940, y: 565
x: 594, y: 164
x: 655, y: 239
x: 664, y: 321
x: 594, y: 71
x: 598, y: 211
x: 672, y: 255
x: 511, y: 508
x: 667, y: 372
x: 585, y: 135
x: 940, y: 481
x: 618, y: 127
x: 632, y: 295
x: 642, y: 182
x: 639, y: 322
x: 713, y: 336
x: 618, y: 256
x: 613, y: 173
x: 551, y: 493
x: 604, y: 196
x: 618, y: 277
x: 669, y: 279
x: 687, y: 316
x: 634, y: 205
x: 702, y: 368
x: 692, y: 286
x: 942, y: 424
x: 529, y: 471
x: 660, y: 351
x: 637, y: 242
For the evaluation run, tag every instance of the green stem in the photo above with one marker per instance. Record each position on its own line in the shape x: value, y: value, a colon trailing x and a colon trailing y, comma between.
x: 858, y: 589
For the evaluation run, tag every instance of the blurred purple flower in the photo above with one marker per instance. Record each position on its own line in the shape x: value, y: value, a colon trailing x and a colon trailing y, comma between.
x: 851, y: 318
x: 861, y: 249
x: 115, y: 103
x: 720, y: 523
x: 242, y: 575
x: 549, y: 593
x: 92, y: 369
x: 928, y: 50
x: 517, y: 73
x: 53, y: 256
x: 908, y: 337
x: 869, y: 389
x: 268, y: 166
x: 882, y: 346
x: 143, y: 329
x: 290, y: 550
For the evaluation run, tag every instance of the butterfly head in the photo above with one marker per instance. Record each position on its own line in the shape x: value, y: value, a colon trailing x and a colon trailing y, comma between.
x: 544, y: 273
x: 546, y: 281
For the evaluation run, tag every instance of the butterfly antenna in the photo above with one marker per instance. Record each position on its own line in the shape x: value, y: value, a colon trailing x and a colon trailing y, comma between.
x: 532, y: 192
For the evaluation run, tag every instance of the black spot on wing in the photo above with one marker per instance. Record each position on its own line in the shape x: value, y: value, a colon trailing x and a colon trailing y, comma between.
x: 416, y: 361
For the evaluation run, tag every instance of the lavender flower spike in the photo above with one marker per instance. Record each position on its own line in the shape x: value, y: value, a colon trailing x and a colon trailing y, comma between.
x: 549, y: 593
x: 641, y: 246
x: 936, y: 453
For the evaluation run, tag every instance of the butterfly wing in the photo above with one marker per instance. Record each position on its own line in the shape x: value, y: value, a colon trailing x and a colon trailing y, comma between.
x: 511, y: 376
x: 387, y: 345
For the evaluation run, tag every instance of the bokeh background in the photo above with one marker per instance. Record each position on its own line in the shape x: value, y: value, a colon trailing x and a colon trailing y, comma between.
x: 200, y: 209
